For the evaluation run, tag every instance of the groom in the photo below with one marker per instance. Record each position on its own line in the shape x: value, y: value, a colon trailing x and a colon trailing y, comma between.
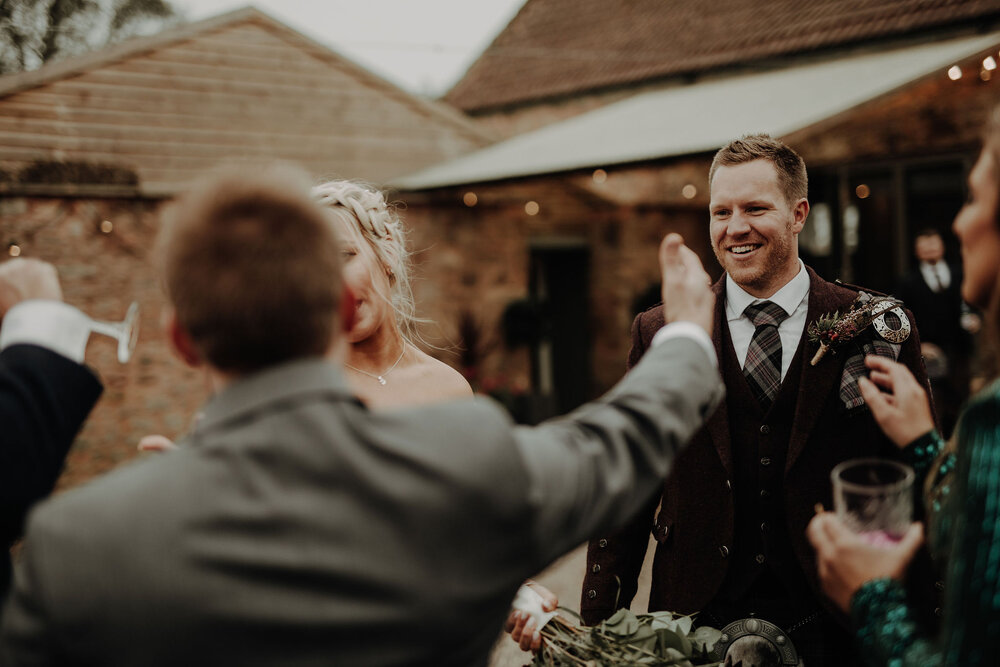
x: 296, y: 527
x: 730, y: 523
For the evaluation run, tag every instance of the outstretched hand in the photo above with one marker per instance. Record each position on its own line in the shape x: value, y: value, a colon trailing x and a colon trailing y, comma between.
x: 846, y: 561
x: 687, y: 293
x: 901, y: 407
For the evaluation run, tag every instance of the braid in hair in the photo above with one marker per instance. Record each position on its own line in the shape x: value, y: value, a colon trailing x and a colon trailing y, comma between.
x: 378, y: 223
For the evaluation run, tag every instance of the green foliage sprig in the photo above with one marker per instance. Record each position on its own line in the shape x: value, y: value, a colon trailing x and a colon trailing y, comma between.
x: 835, y: 330
x: 659, y: 639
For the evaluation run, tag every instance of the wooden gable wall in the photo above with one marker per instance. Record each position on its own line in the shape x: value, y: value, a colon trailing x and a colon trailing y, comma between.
x: 247, y: 89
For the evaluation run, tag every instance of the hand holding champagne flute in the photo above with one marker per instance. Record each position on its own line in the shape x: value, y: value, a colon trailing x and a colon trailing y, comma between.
x: 28, y: 279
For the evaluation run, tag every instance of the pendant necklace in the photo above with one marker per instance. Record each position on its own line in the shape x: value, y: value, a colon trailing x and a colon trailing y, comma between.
x: 380, y: 377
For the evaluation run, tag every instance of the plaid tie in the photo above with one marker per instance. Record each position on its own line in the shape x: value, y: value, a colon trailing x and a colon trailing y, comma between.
x: 762, y: 368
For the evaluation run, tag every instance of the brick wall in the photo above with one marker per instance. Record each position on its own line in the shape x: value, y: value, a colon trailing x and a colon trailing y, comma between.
x: 476, y: 259
x: 102, y: 273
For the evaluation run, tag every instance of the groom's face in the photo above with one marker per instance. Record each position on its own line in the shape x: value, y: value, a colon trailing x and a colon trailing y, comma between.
x: 754, y: 228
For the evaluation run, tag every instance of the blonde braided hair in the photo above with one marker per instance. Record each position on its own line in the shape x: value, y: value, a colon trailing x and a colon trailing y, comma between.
x: 366, y: 208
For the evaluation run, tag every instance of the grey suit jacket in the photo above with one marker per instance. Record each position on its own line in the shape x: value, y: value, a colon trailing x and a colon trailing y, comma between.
x: 299, y: 528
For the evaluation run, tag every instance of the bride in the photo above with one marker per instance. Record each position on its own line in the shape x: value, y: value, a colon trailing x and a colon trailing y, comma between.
x: 384, y: 366
x: 385, y: 369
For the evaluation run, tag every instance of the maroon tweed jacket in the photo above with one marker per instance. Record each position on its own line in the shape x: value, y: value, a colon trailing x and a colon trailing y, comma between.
x: 694, y: 528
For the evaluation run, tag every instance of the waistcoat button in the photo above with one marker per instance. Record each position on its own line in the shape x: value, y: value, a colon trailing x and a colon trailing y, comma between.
x: 596, y: 568
x: 591, y: 594
x: 760, y: 559
x: 765, y: 460
x: 765, y: 429
x: 724, y: 551
x: 765, y: 494
x: 602, y: 543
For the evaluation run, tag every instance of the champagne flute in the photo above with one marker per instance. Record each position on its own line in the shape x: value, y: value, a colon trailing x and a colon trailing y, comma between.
x: 125, y: 332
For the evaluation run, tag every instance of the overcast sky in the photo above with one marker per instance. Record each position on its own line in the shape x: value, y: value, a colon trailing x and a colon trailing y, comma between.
x: 422, y: 45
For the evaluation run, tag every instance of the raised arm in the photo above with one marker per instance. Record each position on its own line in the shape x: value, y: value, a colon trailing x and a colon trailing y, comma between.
x: 594, y: 469
x: 44, y: 395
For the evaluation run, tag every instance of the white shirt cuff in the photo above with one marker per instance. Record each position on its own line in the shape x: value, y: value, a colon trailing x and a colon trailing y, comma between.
x: 687, y: 330
x: 53, y: 325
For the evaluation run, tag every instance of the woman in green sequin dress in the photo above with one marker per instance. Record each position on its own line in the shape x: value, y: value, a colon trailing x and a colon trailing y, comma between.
x: 962, y: 482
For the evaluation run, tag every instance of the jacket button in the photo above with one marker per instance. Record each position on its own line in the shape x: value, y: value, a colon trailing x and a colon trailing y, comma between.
x: 765, y: 494
x: 765, y: 460
x: 759, y: 558
x: 729, y: 485
x: 765, y: 429
x: 602, y: 543
x: 591, y: 594
x: 724, y: 551
x: 596, y: 568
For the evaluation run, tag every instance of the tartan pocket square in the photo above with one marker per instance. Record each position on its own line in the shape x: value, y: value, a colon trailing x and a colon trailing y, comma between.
x: 855, y: 368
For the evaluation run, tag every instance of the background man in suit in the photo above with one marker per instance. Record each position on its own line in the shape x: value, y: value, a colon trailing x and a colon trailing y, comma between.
x: 733, y: 513
x: 45, y: 391
x: 933, y: 292
x: 295, y: 527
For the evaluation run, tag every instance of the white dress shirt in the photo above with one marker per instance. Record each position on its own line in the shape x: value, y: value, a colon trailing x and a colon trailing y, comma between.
x: 937, y: 276
x: 53, y: 325
x: 793, y: 298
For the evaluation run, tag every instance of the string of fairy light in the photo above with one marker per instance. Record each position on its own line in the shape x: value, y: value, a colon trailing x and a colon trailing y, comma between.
x: 986, y: 67
x: 15, y: 248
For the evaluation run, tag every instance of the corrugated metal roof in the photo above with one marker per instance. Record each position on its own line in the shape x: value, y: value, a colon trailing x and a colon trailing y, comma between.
x: 703, y: 116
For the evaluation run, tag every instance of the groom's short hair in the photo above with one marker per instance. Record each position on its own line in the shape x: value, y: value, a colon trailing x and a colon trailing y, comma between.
x: 789, y: 166
x: 252, y: 266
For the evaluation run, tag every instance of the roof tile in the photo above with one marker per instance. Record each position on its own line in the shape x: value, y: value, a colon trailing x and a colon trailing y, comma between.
x: 562, y: 47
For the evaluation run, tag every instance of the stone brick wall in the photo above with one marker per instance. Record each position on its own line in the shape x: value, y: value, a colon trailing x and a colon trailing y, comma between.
x: 476, y: 260
x: 101, y: 274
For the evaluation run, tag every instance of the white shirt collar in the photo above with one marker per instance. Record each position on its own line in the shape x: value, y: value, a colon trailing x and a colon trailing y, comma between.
x: 788, y: 297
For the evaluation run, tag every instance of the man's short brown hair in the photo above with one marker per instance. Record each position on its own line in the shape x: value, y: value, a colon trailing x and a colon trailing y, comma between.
x: 787, y: 163
x: 252, y: 267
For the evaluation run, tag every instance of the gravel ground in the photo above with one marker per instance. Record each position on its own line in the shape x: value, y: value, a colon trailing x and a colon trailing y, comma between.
x: 565, y: 577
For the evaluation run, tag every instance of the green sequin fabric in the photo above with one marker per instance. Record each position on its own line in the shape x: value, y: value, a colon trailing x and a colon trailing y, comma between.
x: 964, y: 506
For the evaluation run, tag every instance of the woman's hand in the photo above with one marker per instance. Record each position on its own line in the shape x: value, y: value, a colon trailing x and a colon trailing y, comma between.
x: 522, y: 626
x: 845, y: 561
x: 901, y: 408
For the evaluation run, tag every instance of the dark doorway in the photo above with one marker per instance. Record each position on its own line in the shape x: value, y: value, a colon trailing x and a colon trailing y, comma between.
x: 870, y: 229
x: 560, y: 286
x: 934, y: 194
x: 873, y: 213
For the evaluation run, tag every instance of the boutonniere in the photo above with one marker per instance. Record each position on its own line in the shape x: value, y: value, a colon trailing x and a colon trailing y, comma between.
x: 883, y: 313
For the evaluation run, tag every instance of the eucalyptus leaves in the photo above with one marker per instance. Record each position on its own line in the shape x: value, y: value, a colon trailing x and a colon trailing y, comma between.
x: 658, y: 639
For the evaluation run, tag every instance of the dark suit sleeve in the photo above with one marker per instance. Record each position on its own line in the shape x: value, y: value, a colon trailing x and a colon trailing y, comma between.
x: 44, y: 399
x: 614, y: 562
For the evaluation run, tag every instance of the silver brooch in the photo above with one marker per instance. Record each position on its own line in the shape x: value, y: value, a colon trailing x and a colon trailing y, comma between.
x: 893, y: 335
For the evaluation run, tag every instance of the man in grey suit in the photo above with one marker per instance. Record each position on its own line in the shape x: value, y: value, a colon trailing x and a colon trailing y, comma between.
x: 296, y: 527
